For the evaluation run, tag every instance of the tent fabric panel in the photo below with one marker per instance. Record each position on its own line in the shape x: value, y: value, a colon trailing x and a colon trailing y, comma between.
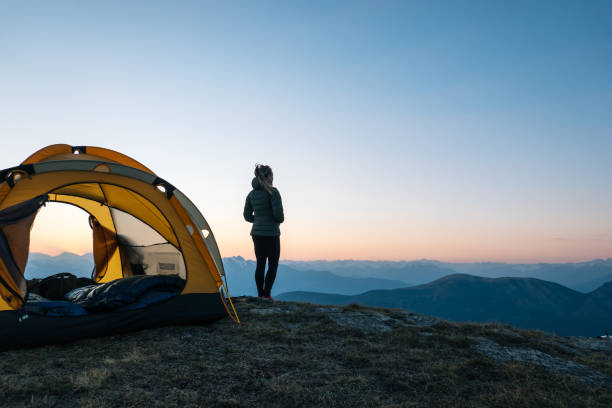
x: 192, y: 210
x: 5, y: 189
x: 201, y: 223
x: 198, y: 308
x: 10, y: 294
x: 144, y: 250
x: 14, y: 274
x: 197, y: 268
x: 17, y: 236
x: 122, y: 199
x: 46, y: 152
x: 96, y: 166
x: 160, y: 259
x: 118, y: 158
x: 44, y: 183
x: 196, y: 245
x: 213, y: 249
x: 134, y: 232
x: 104, y: 247
x: 72, y: 157
x: 92, y: 163
x: 3, y: 303
x: 86, y: 164
x: 23, y: 208
x: 64, y: 151
x: 102, y: 213
x: 114, y: 269
x: 133, y: 173
x: 15, y: 225
x: 89, y: 191
x: 93, y: 207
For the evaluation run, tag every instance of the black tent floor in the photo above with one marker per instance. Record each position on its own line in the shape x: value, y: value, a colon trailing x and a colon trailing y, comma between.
x: 193, y: 308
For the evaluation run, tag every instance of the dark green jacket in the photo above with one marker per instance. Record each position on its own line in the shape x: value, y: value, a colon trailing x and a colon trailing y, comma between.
x: 265, y: 211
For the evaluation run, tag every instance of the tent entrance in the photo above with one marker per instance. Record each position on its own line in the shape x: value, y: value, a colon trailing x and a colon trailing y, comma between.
x: 126, y: 254
x: 66, y: 229
x: 130, y: 236
x: 60, y: 241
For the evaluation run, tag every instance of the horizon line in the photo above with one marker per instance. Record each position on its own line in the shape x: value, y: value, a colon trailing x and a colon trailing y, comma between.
x: 380, y: 260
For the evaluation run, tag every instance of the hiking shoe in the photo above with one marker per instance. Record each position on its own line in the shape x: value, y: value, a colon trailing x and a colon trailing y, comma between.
x: 269, y: 298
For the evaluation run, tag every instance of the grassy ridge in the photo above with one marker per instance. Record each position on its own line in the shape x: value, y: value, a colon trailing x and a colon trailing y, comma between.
x: 290, y: 354
x: 526, y: 303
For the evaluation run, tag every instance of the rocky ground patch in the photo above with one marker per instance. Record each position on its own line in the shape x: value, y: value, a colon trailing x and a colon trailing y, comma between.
x: 291, y: 355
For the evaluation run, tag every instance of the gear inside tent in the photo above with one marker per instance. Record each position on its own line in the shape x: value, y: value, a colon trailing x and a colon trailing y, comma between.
x: 156, y: 261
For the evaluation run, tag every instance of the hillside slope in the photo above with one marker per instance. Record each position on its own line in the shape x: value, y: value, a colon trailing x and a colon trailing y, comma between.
x: 302, y: 355
x: 523, y: 302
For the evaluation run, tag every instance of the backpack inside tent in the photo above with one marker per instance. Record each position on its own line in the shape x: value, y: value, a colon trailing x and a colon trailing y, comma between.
x: 156, y: 261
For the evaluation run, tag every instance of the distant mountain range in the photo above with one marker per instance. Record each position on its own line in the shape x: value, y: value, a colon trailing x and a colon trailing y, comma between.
x: 354, y: 277
x: 581, y: 276
x: 241, y: 280
x: 41, y: 265
x: 527, y: 303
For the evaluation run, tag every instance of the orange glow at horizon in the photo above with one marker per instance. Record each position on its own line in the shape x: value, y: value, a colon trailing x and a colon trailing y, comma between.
x: 303, y: 251
x: 63, y: 228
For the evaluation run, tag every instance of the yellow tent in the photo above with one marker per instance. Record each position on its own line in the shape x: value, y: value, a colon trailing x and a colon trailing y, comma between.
x: 141, y: 225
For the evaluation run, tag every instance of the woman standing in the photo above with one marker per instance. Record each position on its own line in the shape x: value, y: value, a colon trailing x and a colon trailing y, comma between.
x: 264, y: 208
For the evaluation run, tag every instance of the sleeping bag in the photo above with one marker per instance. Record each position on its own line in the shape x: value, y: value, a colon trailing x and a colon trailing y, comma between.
x: 136, y: 291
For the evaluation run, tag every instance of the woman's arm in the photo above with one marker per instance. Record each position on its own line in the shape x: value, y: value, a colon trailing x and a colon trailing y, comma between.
x: 248, y: 210
x: 277, y: 207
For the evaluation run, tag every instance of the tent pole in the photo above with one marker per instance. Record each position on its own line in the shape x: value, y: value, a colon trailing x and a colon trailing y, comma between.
x: 223, y: 287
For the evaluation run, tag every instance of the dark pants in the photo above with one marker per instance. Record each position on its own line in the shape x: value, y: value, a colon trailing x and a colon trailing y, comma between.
x: 266, y: 248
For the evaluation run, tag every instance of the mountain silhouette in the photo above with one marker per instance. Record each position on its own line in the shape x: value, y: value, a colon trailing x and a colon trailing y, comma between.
x: 41, y: 265
x: 580, y: 276
x: 527, y: 303
x: 240, y: 276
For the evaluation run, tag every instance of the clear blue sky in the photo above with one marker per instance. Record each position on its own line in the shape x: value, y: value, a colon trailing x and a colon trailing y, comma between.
x: 460, y: 130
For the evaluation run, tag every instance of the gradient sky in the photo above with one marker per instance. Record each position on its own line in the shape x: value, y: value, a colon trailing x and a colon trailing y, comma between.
x: 458, y: 131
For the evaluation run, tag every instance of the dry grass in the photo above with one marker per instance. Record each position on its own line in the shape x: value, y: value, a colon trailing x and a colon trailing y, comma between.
x: 297, y: 357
